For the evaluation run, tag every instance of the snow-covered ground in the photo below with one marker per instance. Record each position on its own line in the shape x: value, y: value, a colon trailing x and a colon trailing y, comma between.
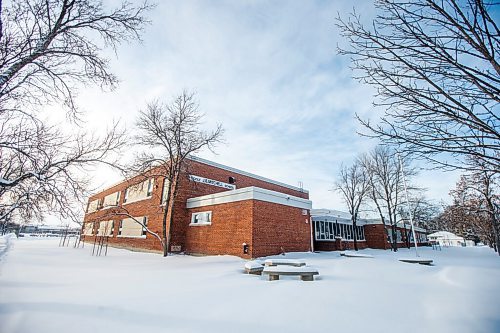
x: 46, y: 288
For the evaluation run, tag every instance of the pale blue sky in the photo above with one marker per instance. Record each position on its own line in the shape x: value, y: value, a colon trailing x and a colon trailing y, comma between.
x: 269, y: 72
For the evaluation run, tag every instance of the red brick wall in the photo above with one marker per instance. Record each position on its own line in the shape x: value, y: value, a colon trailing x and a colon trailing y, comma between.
x: 376, y: 237
x: 190, y: 240
x: 278, y: 226
x: 148, y: 207
x: 231, y: 227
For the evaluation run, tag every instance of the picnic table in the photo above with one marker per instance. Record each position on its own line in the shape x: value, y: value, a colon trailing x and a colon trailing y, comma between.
x: 305, y: 273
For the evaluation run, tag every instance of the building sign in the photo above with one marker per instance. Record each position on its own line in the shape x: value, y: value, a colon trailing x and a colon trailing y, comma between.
x: 212, y: 182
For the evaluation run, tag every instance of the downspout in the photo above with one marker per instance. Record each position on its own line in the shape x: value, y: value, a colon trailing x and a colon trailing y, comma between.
x: 311, y: 234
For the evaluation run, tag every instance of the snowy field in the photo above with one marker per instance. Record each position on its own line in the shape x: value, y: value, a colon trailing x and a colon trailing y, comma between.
x: 45, y: 288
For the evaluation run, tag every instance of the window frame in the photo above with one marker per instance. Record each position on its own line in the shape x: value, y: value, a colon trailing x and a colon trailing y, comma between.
x: 195, y: 224
x: 143, y: 233
x: 149, y: 183
x: 328, y: 231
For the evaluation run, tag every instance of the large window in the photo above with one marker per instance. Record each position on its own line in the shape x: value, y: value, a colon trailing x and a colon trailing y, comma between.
x: 88, y: 229
x: 328, y: 230
x: 165, y: 190
x: 93, y: 206
x: 201, y: 218
x: 111, y: 200
x: 129, y: 227
x: 106, y: 228
x: 139, y: 191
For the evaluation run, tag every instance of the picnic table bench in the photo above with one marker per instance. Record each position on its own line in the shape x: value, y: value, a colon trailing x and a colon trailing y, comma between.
x: 284, y: 262
x: 305, y: 273
x: 420, y: 261
x: 350, y: 254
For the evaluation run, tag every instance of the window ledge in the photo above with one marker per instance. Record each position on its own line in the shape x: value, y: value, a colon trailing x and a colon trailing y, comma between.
x: 110, y: 206
x: 122, y: 236
x: 199, y: 224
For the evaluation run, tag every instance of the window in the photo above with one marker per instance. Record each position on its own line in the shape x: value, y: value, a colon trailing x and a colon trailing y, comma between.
x: 111, y: 200
x: 93, y: 206
x: 105, y: 228
x: 201, y: 218
x: 139, y: 191
x: 88, y: 229
x: 130, y: 227
x: 165, y: 190
x: 360, y: 232
x: 327, y: 230
x: 145, y: 222
x: 389, y: 232
x: 150, y: 187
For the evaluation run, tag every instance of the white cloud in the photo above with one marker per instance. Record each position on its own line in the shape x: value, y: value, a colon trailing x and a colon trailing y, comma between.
x: 268, y: 72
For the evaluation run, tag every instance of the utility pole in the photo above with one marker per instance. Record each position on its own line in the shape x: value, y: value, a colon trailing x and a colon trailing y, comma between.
x: 408, y: 204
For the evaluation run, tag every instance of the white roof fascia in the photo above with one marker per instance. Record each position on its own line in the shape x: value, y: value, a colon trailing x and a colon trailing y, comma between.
x: 249, y: 193
x: 244, y: 173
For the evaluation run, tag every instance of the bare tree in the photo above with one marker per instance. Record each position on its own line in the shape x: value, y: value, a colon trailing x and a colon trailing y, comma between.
x: 354, y: 185
x: 475, y: 209
x: 423, y: 210
x: 48, y: 46
x: 46, y: 49
x: 385, y: 175
x: 42, y: 172
x: 168, y: 135
x: 477, y: 193
x: 436, y: 70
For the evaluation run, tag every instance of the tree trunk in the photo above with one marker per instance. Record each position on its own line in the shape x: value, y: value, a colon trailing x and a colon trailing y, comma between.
x: 497, y: 238
x: 355, y: 238
x: 166, y: 210
x: 171, y: 218
x: 394, y: 239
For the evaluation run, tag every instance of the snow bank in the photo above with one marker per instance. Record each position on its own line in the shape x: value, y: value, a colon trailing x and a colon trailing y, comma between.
x: 45, y: 288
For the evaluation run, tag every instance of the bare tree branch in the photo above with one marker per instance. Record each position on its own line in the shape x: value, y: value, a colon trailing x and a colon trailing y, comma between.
x: 436, y: 70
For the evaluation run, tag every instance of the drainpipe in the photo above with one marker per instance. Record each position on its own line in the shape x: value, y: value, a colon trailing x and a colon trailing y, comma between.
x: 311, y: 233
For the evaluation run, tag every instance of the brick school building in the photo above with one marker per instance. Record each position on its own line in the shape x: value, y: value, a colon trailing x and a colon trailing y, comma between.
x: 218, y: 210
x: 223, y: 210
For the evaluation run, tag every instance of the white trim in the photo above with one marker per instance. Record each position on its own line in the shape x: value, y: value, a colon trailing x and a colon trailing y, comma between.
x: 122, y: 236
x: 200, y: 224
x: 249, y: 193
x: 244, y: 173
